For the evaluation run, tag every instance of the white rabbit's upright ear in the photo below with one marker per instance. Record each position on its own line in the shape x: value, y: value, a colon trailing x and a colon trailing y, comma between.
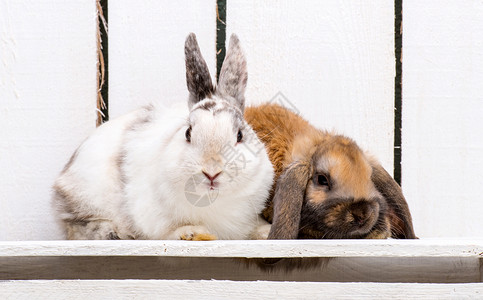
x: 198, y: 76
x: 233, y: 75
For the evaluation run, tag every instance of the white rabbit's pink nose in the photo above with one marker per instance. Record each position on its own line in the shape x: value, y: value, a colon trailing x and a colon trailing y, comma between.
x: 211, y: 177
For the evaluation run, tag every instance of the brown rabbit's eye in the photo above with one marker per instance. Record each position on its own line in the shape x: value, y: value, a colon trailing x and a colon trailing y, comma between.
x: 188, y: 134
x: 239, y: 136
x: 322, y: 180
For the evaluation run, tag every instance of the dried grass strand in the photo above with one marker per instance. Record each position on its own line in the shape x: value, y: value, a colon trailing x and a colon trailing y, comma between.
x: 100, y: 64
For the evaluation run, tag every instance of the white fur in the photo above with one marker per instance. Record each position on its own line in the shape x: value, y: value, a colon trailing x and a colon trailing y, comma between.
x: 156, y: 163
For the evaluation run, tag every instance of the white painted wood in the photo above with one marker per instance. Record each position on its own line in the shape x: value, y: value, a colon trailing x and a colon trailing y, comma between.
x: 340, y: 269
x: 332, y: 60
x: 186, y: 289
x: 442, y: 144
x: 48, y: 88
x: 249, y: 248
x: 146, y: 49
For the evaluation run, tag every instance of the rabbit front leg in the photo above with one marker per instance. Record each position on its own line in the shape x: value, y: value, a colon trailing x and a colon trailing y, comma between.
x: 382, y: 232
x: 192, y: 233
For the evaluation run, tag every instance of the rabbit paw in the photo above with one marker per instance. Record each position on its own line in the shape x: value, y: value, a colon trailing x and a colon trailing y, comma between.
x: 379, y: 234
x: 193, y: 233
x: 261, y: 232
x: 262, y: 229
x: 92, y: 230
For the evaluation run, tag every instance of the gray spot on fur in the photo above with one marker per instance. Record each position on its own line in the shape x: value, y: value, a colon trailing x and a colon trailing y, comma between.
x: 238, y: 121
x: 217, y: 107
x: 67, y: 204
x: 146, y: 116
x: 207, y: 105
x: 113, y: 236
x: 119, y: 163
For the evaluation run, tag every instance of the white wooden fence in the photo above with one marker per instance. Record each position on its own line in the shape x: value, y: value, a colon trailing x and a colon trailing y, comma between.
x: 334, y: 60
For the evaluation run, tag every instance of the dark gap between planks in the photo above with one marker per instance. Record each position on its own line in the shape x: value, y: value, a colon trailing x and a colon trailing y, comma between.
x: 220, y: 35
x: 398, y: 90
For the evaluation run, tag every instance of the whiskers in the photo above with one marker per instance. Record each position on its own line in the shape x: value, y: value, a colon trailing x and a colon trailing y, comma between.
x: 188, y: 168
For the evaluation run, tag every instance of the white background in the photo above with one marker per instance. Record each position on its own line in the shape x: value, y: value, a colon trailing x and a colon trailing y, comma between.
x: 334, y: 60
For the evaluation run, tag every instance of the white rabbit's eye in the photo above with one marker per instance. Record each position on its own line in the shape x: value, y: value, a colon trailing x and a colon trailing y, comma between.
x: 188, y: 134
x: 239, y: 136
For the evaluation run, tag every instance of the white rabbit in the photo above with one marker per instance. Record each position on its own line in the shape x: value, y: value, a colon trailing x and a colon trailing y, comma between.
x: 172, y: 173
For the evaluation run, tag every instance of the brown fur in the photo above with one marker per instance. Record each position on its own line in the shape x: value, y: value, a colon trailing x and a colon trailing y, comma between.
x: 317, y: 196
x: 291, y: 184
x: 292, y: 143
x: 269, y: 122
x: 399, y: 215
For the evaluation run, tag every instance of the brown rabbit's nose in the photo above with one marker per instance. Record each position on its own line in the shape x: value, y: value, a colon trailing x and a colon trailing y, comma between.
x: 360, y: 218
x: 211, y: 177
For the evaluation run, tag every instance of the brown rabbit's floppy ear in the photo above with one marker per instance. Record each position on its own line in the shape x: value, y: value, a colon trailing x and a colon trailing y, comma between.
x: 233, y: 74
x: 399, y: 215
x: 288, y: 200
x: 198, y: 76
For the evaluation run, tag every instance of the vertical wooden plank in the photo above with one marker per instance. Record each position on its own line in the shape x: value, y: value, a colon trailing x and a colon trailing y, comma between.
x: 146, y: 49
x: 333, y: 60
x: 48, y: 105
x: 443, y: 116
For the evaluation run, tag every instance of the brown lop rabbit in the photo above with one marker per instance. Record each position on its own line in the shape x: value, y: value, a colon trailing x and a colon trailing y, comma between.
x: 326, y: 186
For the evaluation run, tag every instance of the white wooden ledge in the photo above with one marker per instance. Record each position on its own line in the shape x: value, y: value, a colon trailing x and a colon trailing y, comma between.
x: 322, y: 269
x: 249, y: 249
x: 185, y: 289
